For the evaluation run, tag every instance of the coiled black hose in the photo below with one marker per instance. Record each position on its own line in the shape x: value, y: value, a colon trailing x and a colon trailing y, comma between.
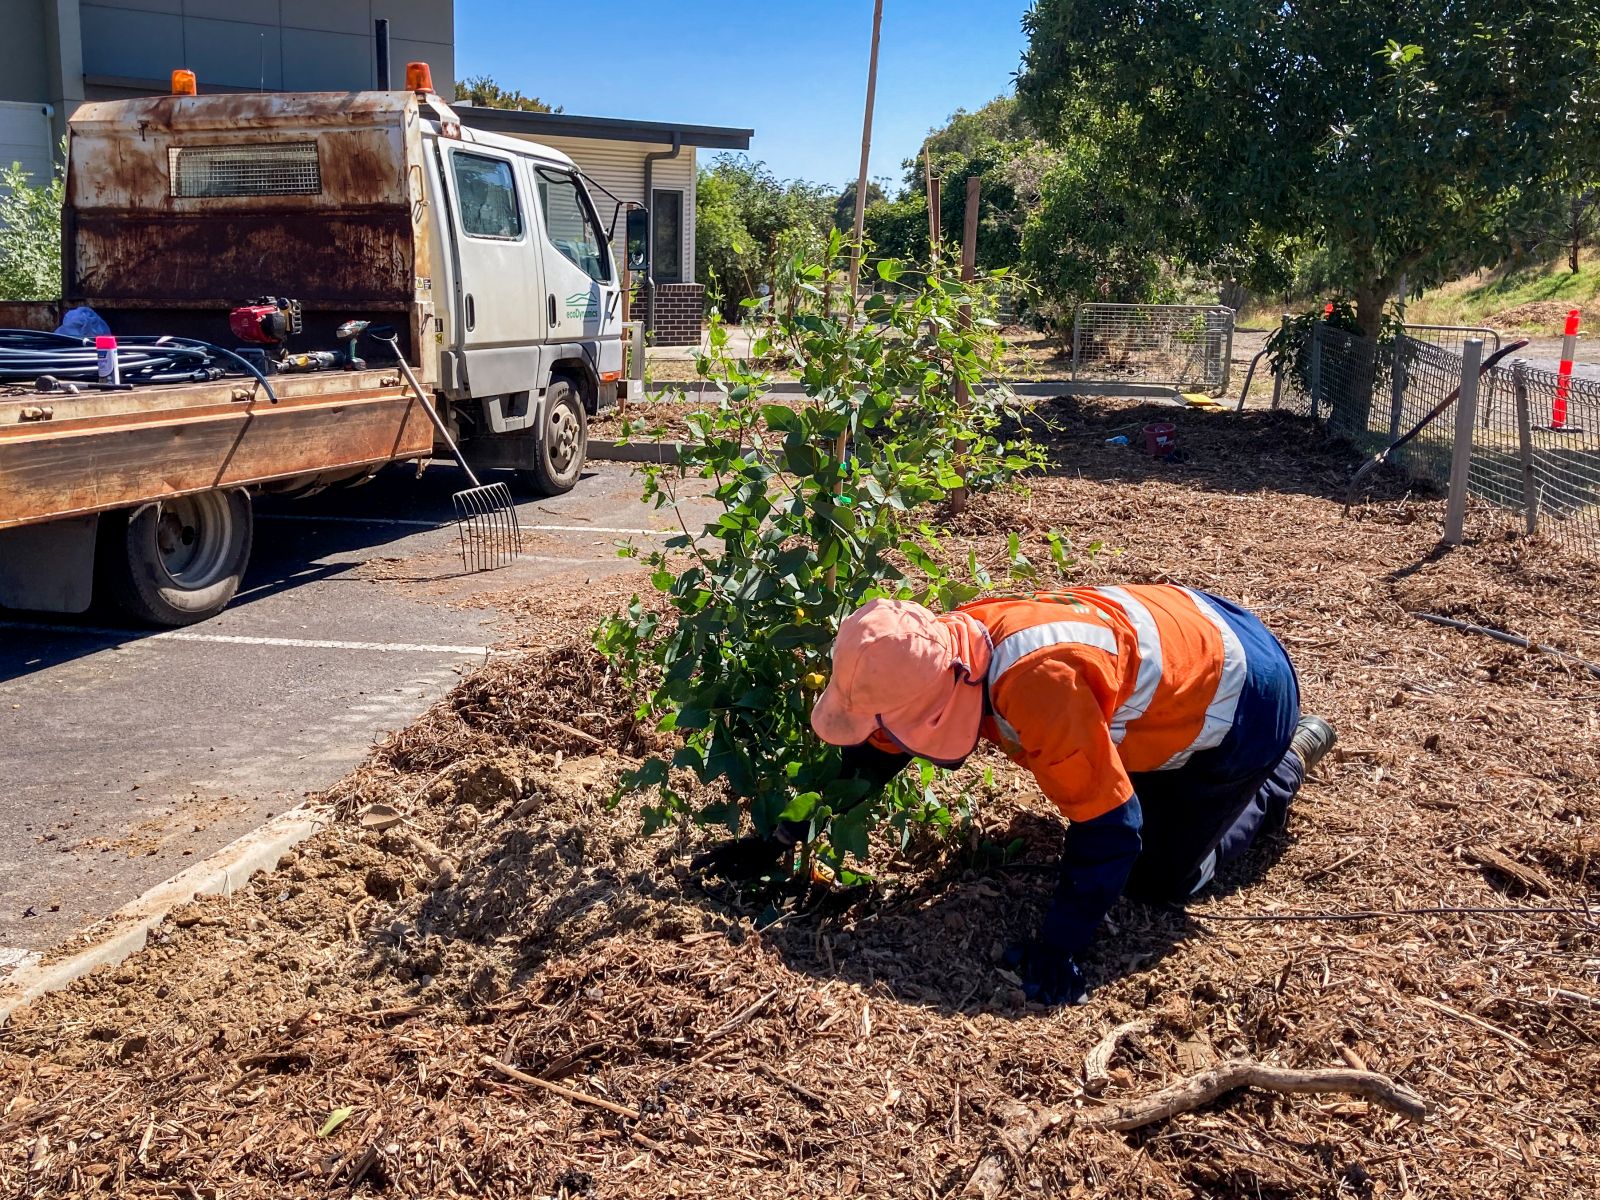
x: 27, y: 354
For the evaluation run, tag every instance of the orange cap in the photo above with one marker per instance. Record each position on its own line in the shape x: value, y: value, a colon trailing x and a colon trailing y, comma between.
x: 917, y: 676
x: 419, y: 77
x: 183, y: 83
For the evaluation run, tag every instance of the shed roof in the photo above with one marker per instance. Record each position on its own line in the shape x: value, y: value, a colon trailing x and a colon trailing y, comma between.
x: 542, y: 125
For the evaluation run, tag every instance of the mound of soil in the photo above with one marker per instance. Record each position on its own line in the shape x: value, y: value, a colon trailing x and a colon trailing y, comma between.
x: 1546, y: 316
x: 479, y: 981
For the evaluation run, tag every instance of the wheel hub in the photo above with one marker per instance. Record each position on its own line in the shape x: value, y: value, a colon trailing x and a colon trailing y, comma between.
x: 563, y: 438
x: 193, y: 535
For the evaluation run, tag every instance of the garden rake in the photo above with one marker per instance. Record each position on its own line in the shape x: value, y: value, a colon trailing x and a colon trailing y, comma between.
x: 491, y: 537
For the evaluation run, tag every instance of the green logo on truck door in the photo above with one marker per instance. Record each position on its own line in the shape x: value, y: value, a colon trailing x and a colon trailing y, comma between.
x: 583, y: 306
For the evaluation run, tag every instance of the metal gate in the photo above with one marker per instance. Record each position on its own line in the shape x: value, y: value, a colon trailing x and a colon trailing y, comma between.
x: 1453, y: 337
x: 1184, y: 346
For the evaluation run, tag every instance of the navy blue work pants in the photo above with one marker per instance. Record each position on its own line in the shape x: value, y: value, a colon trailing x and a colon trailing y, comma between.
x: 1212, y: 808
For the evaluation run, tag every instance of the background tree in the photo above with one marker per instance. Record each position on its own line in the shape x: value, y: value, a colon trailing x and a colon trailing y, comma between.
x: 1402, y: 137
x: 994, y: 143
x: 844, y: 208
x: 30, y: 235
x: 748, y: 222
x: 1091, y: 238
x: 483, y: 92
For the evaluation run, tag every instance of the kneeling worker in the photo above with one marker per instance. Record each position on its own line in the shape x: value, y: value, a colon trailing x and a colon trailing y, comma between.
x: 1163, y: 722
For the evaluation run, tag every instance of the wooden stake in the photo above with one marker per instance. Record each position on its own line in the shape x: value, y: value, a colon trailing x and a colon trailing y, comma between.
x: 866, y: 154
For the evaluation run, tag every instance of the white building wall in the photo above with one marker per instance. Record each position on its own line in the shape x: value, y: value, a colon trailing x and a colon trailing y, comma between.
x: 25, y: 138
x: 619, y: 168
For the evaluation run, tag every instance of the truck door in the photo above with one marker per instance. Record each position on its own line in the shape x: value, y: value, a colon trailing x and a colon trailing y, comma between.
x: 499, y: 280
x: 581, y: 301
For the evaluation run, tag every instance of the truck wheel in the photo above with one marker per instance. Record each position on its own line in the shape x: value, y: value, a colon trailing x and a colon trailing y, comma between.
x: 563, y: 442
x: 177, y: 561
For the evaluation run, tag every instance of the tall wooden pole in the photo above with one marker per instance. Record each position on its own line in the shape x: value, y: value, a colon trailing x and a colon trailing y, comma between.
x: 866, y: 154
x: 969, y: 272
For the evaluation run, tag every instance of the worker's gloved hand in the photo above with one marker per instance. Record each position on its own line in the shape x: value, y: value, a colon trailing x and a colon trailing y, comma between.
x: 739, y: 858
x: 1048, y: 975
x: 749, y: 857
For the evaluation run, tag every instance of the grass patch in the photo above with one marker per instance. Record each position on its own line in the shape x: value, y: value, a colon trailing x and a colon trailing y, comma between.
x: 1533, y: 298
x: 1494, y: 297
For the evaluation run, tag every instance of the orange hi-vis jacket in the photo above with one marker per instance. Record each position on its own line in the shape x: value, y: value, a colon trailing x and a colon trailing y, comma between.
x: 1090, y: 685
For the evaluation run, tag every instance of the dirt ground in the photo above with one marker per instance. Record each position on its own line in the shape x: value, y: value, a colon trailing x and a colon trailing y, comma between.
x: 488, y: 986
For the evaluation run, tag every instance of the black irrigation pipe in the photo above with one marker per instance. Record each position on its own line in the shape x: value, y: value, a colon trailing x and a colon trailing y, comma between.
x: 1376, y: 913
x: 1511, y: 639
x: 29, y: 355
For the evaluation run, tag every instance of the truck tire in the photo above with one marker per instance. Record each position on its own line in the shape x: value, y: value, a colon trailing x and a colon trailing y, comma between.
x: 563, y: 443
x: 179, y: 561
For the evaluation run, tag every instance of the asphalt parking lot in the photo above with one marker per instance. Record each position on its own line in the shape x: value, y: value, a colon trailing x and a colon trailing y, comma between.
x: 130, y: 754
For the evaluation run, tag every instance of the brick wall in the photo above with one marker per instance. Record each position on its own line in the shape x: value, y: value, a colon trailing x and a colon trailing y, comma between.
x: 680, y: 314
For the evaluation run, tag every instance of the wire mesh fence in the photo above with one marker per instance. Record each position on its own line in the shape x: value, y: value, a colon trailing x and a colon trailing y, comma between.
x: 1453, y: 337
x: 1557, y: 476
x: 1535, y: 453
x: 1186, y: 346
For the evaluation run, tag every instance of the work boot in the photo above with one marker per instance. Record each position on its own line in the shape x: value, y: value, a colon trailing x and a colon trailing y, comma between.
x: 1312, y: 740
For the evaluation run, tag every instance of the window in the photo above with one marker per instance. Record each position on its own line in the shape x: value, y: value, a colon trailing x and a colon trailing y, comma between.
x: 570, y: 223
x: 488, y: 197
x: 666, y: 236
x: 266, y: 169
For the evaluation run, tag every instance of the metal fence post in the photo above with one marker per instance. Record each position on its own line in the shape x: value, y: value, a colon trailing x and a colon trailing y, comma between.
x: 1316, y: 371
x: 1277, y: 375
x: 1397, y: 388
x: 1530, y: 490
x: 1077, y: 340
x: 1455, y: 509
x: 1227, y: 353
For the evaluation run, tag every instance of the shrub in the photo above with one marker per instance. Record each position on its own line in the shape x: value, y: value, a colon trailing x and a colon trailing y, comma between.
x: 803, y: 535
x: 30, y: 236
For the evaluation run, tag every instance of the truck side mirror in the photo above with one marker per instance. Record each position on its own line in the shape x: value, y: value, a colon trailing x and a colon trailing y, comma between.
x: 638, y: 240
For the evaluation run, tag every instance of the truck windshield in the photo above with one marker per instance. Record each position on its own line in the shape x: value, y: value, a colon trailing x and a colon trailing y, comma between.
x: 570, y: 224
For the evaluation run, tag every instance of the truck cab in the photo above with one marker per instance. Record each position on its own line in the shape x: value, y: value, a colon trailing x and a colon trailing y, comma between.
x: 531, y: 323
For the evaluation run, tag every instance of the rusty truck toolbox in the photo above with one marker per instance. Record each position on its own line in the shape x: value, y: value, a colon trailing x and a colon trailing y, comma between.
x: 68, y: 455
x: 299, y: 195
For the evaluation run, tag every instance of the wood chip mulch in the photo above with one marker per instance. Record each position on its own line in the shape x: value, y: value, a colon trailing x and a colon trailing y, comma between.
x: 478, y: 981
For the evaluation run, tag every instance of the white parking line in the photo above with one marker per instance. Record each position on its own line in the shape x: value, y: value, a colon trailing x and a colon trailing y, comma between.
x: 227, y: 639
x: 414, y: 524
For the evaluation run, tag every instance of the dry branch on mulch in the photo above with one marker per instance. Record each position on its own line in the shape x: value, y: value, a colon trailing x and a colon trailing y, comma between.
x: 498, y: 923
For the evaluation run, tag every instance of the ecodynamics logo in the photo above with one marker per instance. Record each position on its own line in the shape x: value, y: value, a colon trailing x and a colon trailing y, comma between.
x: 583, y: 306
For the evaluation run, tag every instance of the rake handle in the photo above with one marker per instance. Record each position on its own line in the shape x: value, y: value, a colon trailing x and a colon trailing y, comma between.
x: 427, y: 407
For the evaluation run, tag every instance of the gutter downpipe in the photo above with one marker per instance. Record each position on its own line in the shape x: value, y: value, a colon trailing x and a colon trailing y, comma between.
x: 650, y: 161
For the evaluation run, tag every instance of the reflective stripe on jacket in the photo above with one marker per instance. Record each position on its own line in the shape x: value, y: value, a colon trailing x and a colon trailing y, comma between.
x: 1089, y: 685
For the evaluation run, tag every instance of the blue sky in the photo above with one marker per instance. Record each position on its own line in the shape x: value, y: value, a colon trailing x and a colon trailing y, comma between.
x: 795, y: 71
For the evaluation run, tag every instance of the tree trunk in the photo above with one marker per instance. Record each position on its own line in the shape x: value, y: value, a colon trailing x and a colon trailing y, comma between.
x: 1577, y: 233
x: 1350, y: 392
x: 1370, y: 302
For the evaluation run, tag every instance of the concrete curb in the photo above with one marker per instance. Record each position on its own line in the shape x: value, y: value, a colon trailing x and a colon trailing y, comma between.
x: 634, y: 451
x: 224, y: 871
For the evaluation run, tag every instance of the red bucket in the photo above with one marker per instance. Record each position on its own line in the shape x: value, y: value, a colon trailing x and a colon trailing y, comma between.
x: 1160, y: 439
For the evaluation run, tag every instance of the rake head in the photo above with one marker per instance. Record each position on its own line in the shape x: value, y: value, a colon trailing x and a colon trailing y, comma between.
x: 490, y: 535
